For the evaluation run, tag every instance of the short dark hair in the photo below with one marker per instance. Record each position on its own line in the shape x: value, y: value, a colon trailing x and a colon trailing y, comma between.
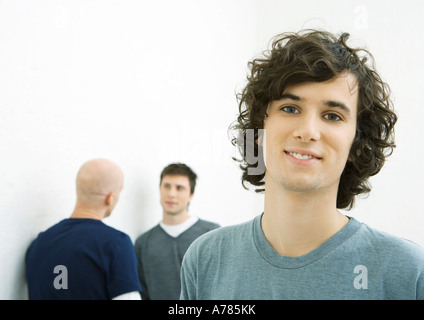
x: 317, y: 56
x: 180, y: 169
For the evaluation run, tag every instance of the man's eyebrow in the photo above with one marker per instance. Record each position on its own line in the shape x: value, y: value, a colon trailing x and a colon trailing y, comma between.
x: 337, y: 104
x: 174, y: 184
x: 290, y: 96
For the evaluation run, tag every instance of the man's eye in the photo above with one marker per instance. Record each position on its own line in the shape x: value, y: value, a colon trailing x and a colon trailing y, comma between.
x: 332, y: 117
x: 290, y: 109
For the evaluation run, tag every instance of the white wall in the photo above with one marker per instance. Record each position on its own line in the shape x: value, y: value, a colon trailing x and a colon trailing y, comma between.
x: 146, y: 83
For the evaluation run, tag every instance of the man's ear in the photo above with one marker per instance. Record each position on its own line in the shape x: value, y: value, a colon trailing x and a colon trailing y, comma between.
x: 109, y: 198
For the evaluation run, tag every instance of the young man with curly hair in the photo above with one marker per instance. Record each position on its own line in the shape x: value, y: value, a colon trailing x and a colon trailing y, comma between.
x: 320, y: 121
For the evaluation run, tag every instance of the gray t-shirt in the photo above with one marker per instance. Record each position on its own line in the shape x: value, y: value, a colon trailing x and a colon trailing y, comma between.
x: 358, y: 262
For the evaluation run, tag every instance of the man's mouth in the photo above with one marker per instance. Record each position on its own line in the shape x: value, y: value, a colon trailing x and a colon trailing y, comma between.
x: 301, y: 156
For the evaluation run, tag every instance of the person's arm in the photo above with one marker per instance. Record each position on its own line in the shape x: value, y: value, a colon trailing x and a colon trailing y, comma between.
x: 188, y: 287
x: 134, y: 295
x: 122, y: 278
x: 420, y: 287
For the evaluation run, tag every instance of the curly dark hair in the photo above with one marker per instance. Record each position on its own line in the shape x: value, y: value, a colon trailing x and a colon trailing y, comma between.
x: 317, y: 56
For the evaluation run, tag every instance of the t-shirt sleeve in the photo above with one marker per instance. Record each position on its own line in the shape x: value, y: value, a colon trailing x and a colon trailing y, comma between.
x: 123, y: 277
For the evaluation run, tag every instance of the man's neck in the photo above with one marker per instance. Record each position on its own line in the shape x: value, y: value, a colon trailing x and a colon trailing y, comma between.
x: 295, y: 224
x: 174, y: 219
x: 83, y: 212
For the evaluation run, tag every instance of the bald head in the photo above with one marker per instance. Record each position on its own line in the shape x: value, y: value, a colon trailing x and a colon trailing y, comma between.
x: 96, y: 179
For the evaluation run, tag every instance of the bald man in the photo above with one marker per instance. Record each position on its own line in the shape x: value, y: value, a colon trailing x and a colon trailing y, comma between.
x: 80, y: 257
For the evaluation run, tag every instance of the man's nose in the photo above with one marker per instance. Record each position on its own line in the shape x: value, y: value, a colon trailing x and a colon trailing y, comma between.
x: 308, y: 129
x: 172, y: 191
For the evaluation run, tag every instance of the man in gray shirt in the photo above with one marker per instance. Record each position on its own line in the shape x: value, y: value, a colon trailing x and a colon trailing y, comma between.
x: 316, y: 121
x: 160, y: 250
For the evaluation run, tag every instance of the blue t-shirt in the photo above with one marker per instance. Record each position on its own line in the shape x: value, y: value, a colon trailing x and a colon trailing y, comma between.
x: 81, y: 259
x: 358, y: 262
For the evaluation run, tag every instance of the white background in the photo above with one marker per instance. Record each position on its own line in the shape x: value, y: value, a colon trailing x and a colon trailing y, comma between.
x: 147, y: 83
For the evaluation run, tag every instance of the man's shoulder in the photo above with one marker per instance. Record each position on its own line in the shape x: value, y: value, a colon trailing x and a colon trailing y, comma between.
x: 393, y: 246
x: 145, y: 235
x: 209, y: 225
x: 226, y: 235
x: 104, y: 234
x: 77, y: 234
x: 87, y: 228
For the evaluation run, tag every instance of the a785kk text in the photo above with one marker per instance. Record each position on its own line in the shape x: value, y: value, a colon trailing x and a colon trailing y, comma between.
x: 217, y: 309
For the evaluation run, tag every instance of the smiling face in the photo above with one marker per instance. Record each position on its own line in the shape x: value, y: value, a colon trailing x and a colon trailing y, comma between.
x: 309, y: 133
x: 175, y: 194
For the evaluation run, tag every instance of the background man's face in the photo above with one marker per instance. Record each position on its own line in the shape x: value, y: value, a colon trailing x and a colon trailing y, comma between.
x: 175, y: 194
